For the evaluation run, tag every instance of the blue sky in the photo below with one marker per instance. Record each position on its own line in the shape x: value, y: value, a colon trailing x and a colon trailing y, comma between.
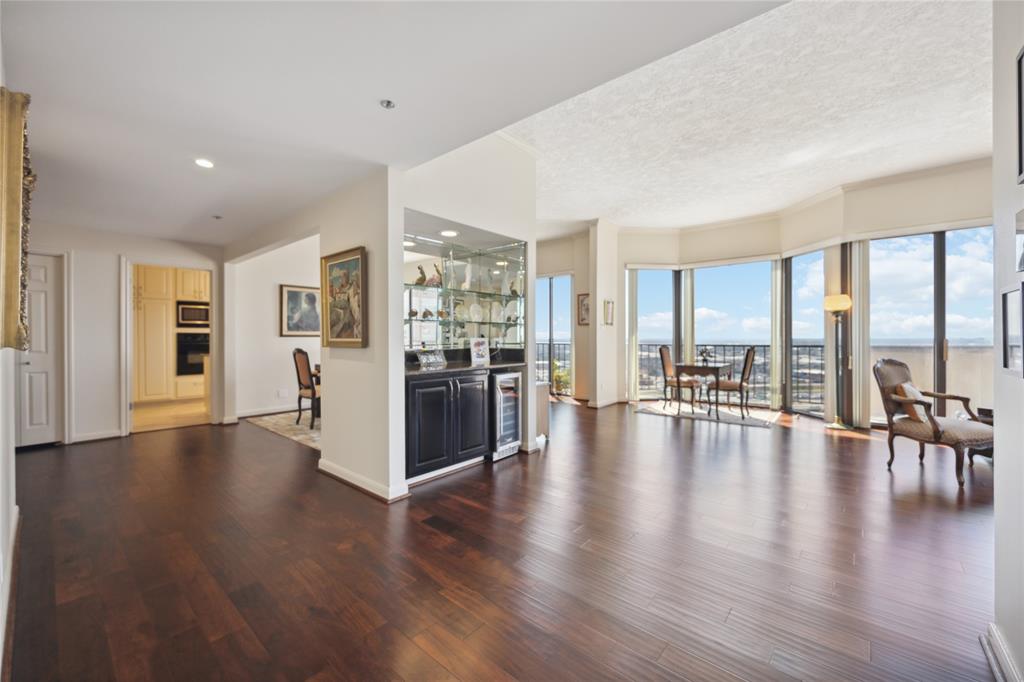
x: 732, y: 302
x: 563, y: 308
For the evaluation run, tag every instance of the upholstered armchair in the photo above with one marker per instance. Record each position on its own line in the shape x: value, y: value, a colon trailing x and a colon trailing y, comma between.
x: 909, y: 415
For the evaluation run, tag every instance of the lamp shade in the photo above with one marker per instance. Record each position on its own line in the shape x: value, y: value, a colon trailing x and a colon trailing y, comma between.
x: 838, y: 303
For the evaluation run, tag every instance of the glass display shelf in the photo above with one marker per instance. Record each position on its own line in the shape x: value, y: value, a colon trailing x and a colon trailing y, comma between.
x: 480, y: 293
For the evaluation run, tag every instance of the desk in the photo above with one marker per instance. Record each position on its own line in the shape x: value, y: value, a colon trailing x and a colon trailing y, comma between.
x: 709, y: 370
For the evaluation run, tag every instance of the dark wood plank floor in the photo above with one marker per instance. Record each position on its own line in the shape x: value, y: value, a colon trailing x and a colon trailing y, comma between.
x: 633, y: 546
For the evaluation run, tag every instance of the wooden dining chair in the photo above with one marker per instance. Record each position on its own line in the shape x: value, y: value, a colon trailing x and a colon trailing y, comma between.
x: 676, y: 383
x: 308, y: 388
x: 741, y: 385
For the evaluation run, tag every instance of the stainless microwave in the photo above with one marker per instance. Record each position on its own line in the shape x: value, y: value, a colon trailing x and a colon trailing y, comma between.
x: 193, y: 314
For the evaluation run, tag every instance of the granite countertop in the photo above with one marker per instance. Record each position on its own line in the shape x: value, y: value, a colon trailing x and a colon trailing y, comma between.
x: 456, y: 367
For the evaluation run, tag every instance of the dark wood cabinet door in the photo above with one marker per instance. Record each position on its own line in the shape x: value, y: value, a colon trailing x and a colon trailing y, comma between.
x: 428, y: 426
x: 472, y: 409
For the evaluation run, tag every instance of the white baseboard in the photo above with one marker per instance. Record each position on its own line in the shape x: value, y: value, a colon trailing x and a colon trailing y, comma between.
x: 242, y: 414
x: 229, y: 420
x: 358, y: 480
x: 1001, y: 650
x: 604, y: 403
x: 96, y: 435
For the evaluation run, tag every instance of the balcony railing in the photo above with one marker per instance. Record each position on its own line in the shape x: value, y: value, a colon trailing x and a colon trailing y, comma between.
x: 807, y: 376
x: 560, y: 375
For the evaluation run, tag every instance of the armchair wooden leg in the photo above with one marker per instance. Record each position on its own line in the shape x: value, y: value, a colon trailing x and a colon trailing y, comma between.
x: 970, y: 457
x: 299, y: 417
x: 959, y: 465
x: 892, y: 450
x: 920, y: 452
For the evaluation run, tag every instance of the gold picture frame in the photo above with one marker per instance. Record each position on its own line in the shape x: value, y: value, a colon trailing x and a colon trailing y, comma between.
x: 344, y: 313
x: 16, y: 183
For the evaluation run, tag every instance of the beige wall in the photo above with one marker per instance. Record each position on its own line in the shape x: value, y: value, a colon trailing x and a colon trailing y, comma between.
x: 264, y: 371
x: 1007, y: 200
x: 97, y: 311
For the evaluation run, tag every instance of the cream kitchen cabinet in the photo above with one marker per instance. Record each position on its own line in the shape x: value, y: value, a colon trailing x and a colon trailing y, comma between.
x: 193, y: 285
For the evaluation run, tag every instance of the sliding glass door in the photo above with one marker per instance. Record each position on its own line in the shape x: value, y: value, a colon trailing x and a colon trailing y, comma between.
x: 656, y: 323
x: 807, y: 333
x: 732, y: 312
x: 554, y: 333
x: 931, y: 307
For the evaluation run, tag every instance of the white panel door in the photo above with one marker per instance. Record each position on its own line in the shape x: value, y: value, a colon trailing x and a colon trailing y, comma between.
x: 39, y: 419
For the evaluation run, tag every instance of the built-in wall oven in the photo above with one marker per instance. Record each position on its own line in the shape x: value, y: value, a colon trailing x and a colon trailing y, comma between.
x: 193, y: 314
x: 192, y: 347
x: 507, y: 389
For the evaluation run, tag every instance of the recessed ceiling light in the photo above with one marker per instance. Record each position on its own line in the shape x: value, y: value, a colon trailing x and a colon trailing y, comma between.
x: 387, y: 104
x: 217, y: 217
x: 502, y: 262
x: 448, y: 233
x: 204, y: 163
x: 408, y: 243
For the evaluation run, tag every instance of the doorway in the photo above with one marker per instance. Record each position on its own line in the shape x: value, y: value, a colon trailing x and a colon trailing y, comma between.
x: 554, y: 333
x: 39, y: 399
x: 170, y: 332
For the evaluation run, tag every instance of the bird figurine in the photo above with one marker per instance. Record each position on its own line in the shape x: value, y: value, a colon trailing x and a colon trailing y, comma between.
x: 435, y: 279
x: 427, y: 315
x: 422, y: 278
x: 412, y: 313
x: 442, y: 314
x: 512, y: 291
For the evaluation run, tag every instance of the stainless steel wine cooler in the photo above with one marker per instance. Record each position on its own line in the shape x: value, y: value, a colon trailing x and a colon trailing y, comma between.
x: 507, y: 408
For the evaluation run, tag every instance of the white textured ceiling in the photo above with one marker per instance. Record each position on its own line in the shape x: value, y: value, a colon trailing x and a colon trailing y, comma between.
x: 798, y: 100
x: 283, y: 96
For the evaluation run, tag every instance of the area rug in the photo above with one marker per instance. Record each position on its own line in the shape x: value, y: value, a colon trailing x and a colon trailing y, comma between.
x: 729, y: 415
x: 283, y: 424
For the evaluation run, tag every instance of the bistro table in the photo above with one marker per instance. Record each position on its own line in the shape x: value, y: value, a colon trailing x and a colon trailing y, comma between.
x: 711, y: 369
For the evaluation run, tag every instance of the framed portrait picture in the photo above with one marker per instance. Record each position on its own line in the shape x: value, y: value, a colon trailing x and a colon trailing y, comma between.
x: 343, y: 286
x: 1020, y: 118
x: 1018, y: 242
x: 299, y: 310
x: 583, y: 309
x: 1013, y: 334
x: 479, y: 353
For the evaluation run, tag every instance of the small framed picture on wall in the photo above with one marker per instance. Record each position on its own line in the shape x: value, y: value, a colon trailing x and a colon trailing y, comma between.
x: 1013, y: 333
x: 583, y: 309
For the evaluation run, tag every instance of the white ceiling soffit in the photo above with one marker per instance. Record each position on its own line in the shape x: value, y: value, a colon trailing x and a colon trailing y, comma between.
x: 283, y: 97
x: 801, y: 99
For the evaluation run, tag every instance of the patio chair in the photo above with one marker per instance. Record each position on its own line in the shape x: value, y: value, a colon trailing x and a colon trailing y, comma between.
x: 676, y: 383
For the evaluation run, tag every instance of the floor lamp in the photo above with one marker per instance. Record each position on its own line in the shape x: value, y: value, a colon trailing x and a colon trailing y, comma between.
x: 837, y: 304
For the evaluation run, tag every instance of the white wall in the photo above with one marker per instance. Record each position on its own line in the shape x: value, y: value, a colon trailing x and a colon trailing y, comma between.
x: 8, y: 508
x: 264, y: 371
x: 1007, y: 635
x: 571, y: 255
x: 96, y: 312
x: 491, y: 184
x: 607, y: 283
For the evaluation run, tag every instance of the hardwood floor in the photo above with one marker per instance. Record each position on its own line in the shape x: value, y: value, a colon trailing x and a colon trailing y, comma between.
x: 633, y: 546
x: 171, y: 414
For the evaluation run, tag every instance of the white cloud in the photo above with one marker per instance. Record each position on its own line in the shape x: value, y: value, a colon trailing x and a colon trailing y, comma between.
x: 659, y: 320
x: 711, y: 320
x: 757, y: 324
x: 814, y: 281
